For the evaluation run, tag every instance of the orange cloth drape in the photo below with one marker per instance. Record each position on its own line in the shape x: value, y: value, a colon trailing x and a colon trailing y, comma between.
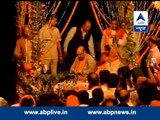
x: 81, y: 64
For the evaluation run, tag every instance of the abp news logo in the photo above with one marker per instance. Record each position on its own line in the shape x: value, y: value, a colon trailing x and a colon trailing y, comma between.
x: 140, y: 21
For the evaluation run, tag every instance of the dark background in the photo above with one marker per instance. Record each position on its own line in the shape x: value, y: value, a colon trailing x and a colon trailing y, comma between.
x: 7, y: 42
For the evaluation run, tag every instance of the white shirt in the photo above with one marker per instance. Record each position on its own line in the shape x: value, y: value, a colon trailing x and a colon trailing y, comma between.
x: 108, y: 92
x: 155, y: 53
x: 90, y: 91
x: 53, y: 35
x: 121, y: 42
x: 70, y: 35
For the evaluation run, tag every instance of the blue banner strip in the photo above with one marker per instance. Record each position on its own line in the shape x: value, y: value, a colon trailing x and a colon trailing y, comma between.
x: 79, y: 113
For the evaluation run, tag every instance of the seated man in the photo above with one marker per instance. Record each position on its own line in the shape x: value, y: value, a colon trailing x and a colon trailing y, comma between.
x: 110, y: 61
x: 84, y: 63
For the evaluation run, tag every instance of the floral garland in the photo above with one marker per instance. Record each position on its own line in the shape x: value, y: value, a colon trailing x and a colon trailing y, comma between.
x: 131, y: 51
x: 42, y: 83
x: 156, y: 5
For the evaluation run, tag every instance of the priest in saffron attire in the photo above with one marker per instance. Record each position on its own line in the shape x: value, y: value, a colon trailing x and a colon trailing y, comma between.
x: 112, y: 35
x: 84, y: 63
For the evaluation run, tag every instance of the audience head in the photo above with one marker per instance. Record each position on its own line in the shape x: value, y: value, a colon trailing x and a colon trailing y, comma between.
x: 27, y: 100
x: 104, y: 76
x: 147, y: 91
x: 114, y: 24
x: 83, y: 97
x: 98, y: 95
x: 140, y: 81
x: 26, y: 31
x: 81, y: 52
x: 118, y: 89
x: 123, y: 25
x: 93, y: 102
x: 72, y: 100
x: 86, y: 26
x: 123, y: 96
x: 113, y: 82
x: 124, y: 72
x: 152, y: 40
x: 3, y: 102
x: 93, y: 79
x: 155, y: 103
x: 110, y: 102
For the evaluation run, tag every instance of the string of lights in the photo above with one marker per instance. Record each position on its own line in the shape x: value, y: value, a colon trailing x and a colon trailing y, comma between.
x: 64, y: 13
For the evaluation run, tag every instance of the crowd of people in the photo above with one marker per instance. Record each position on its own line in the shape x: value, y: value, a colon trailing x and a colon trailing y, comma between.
x: 105, y: 89
x: 111, y: 82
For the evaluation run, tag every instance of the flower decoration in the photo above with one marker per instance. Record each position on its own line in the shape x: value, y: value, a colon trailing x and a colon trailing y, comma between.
x: 33, y: 73
x: 27, y: 66
x: 156, y: 4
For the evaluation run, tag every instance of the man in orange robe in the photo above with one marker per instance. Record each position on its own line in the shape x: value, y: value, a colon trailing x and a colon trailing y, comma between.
x: 84, y: 63
x: 112, y: 35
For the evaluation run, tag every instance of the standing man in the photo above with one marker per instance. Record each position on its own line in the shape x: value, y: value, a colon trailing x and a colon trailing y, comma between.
x: 112, y: 35
x: 78, y: 36
x: 154, y: 53
x: 49, y: 34
x: 23, y: 49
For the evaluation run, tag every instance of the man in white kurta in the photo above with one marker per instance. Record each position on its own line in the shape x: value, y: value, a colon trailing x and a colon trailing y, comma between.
x: 50, y: 36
